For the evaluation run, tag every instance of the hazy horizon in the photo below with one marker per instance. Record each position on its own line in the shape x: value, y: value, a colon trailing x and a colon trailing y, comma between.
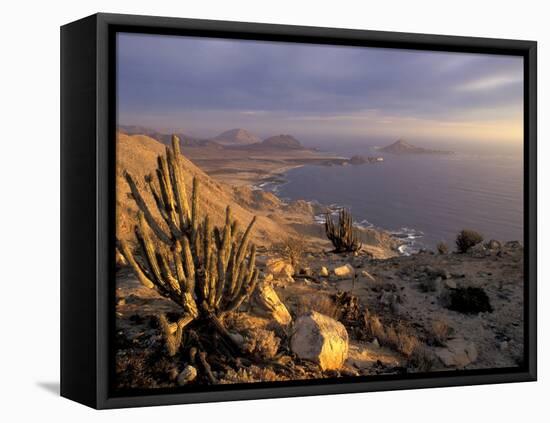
x: 320, y: 94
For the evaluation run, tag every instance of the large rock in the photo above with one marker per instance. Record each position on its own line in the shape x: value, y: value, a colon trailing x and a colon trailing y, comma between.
x: 320, y: 339
x: 188, y: 374
x: 268, y: 301
x: 344, y: 271
x: 459, y: 353
x: 280, y: 267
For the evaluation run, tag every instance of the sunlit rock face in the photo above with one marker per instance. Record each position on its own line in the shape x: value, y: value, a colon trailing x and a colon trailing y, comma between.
x: 321, y: 339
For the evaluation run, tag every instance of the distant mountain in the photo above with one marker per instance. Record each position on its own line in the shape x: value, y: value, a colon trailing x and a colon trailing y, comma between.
x: 282, y: 141
x: 403, y: 147
x: 185, y: 140
x: 236, y: 136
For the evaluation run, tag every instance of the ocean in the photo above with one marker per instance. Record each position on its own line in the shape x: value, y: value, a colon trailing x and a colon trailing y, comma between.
x: 423, y: 199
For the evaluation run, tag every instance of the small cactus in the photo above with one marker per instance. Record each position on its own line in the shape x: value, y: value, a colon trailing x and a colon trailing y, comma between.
x: 342, y: 235
x: 207, y: 271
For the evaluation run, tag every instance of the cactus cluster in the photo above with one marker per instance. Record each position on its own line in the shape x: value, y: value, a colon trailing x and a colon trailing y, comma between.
x: 208, y: 271
x: 342, y: 234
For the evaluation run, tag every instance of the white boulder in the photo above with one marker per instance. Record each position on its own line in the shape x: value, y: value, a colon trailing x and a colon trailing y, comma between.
x: 320, y: 339
x: 346, y: 270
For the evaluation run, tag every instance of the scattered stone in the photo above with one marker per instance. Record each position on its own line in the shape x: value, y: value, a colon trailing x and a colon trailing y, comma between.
x: 344, y: 271
x: 503, y: 346
x: 237, y: 338
x: 367, y: 275
x: 306, y: 271
x: 431, y: 284
x: 435, y: 273
x: 280, y: 267
x: 187, y: 375
x: 320, y: 339
x: 449, y: 283
x: 513, y: 244
x: 323, y: 272
x: 458, y: 353
x: 388, y: 299
x: 493, y: 245
x: 478, y: 251
x: 268, y: 301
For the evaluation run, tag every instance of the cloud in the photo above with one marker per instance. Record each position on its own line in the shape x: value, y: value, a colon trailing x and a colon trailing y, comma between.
x: 205, y: 84
x: 491, y: 82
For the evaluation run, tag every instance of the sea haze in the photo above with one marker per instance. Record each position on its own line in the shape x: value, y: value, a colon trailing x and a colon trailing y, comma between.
x: 422, y: 198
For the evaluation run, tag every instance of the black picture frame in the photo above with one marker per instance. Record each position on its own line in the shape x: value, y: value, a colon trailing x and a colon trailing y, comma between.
x: 87, y: 205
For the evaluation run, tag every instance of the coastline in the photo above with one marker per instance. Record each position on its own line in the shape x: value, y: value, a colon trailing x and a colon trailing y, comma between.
x: 377, y: 241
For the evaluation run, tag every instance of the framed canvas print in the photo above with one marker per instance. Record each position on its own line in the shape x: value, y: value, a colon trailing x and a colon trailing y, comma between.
x: 256, y: 211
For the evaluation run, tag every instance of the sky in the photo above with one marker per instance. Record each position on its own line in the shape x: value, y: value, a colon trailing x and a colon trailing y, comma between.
x: 320, y: 94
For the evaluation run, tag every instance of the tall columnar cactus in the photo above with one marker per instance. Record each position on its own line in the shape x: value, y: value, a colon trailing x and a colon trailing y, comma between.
x: 342, y: 234
x: 207, y: 271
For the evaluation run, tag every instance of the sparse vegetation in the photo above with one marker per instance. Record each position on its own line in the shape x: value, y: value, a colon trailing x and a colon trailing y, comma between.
x: 320, y: 303
x: 411, y: 304
x: 466, y: 239
x: 440, y: 331
x: 442, y: 248
x: 291, y: 250
x: 261, y: 342
x: 469, y: 300
x: 398, y: 337
x: 342, y: 234
x: 207, y: 271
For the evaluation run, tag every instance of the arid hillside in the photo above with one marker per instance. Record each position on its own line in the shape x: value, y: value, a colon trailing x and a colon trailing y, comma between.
x: 137, y: 154
x: 277, y: 220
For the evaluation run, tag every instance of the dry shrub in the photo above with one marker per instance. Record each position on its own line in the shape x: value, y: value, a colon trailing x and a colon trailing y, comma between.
x: 318, y: 302
x: 466, y: 239
x: 400, y: 337
x: 440, y: 331
x: 291, y: 250
x: 442, y: 248
x: 421, y: 360
x: 251, y: 374
x: 262, y: 343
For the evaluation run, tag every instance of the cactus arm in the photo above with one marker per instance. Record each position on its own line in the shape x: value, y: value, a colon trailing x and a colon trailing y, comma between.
x: 195, y: 206
x: 189, y: 264
x: 140, y: 273
x: 167, y: 273
x: 179, y: 185
x: 178, y: 264
x: 172, y: 336
x: 166, y: 188
x: 145, y: 210
x: 244, y: 241
x: 244, y: 294
x: 149, y: 249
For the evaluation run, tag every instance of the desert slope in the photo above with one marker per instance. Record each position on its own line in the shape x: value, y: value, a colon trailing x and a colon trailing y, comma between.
x: 137, y: 154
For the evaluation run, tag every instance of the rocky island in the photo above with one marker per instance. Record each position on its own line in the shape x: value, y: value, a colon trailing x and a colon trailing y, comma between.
x: 403, y: 147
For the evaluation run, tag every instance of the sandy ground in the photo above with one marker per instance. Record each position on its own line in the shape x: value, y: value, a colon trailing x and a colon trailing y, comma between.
x: 239, y: 167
